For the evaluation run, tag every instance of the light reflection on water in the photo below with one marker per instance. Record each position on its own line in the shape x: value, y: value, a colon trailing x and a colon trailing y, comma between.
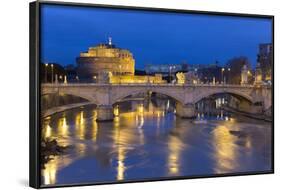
x: 149, y: 141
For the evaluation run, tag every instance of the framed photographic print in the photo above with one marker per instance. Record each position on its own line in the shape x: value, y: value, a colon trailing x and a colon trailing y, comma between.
x: 131, y: 94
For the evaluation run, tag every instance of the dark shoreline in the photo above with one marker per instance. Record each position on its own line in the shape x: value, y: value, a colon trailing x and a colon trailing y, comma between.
x: 249, y: 115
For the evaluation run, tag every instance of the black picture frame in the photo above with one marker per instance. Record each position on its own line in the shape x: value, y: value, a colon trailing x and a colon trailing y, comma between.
x: 34, y: 89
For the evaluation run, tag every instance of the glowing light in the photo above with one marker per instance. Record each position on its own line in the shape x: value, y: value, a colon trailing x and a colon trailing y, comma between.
x: 95, y: 127
x: 116, y: 111
x: 63, y: 127
x: 225, y: 149
x: 48, y: 131
x: 120, y: 164
x: 140, y: 109
x: 50, y: 172
x: 80, y: 125
x: 175, y: 146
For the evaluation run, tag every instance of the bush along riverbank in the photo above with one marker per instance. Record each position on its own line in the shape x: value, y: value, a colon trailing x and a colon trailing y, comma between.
x: 49, y: 148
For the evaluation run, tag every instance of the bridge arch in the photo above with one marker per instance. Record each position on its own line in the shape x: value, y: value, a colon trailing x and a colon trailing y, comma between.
x: 123, y: 95
x: 75, y: 94
x: 228, y: 91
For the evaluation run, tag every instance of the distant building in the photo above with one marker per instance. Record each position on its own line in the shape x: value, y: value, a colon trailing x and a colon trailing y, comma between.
x: 265, y: 58
x: 105, y: 57
x: 196, y: 67
x: 165, y: 69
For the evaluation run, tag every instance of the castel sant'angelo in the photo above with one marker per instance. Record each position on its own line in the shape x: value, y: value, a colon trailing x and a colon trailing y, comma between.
x: 118, y: 63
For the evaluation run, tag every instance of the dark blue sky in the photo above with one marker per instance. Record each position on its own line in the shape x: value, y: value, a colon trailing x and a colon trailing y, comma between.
x: 152, y: 37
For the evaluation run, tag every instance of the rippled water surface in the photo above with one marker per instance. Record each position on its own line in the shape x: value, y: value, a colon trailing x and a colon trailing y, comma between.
x: 149, y: 141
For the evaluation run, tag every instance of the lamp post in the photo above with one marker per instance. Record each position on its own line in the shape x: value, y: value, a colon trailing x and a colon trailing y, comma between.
x: 197, y: 79
x: 228, y: 75
x: 222, y: 70
x: 46, y: 69
x: 170, y: 73
x: 52, y: 67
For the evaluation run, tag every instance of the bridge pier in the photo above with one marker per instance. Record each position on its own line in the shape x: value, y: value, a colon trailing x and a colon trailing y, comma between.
x: 104, y: 113
x: 186, y: 111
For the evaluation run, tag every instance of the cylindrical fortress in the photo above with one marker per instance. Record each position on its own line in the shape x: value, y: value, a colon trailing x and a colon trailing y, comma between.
x: 105, y: 58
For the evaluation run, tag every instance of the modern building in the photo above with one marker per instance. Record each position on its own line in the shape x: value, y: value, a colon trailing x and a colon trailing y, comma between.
x: 265, y: 58
x: 105, y: 57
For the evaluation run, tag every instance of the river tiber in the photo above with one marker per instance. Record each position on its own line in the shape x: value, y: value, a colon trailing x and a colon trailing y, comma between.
x: 105, y: 121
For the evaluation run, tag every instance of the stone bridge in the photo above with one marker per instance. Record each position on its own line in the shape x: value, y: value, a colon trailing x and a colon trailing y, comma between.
x: 105, y: 95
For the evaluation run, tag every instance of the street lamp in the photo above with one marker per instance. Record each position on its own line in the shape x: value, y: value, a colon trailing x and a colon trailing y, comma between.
x: 46, y: 69
x: 52, y: 66
x: 222, y: 70
x: 228, y: 75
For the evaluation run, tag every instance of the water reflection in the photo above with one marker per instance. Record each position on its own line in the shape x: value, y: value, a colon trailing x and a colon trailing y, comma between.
x: 175, y: 147
x: 95, y: 127
x: 146, y: 139
x: 63, y: 127
x: 225, y: 149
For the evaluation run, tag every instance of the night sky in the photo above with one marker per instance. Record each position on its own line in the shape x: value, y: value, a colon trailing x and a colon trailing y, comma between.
x: 152, y: 37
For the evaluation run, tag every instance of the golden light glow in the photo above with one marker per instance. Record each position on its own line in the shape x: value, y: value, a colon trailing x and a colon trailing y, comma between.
x: 95, y: 126
x: 175, y: 147
x: 120, y: 164
x: 56, y: 163
x: 48, y: 131
x: 80, y: 125
x: 63, y: 127
x: 225, y: 149
x: 120, y: 151
x: 140, y: 109
x: 50, y: 172
x: 116, y: 110
x: 126, y: 79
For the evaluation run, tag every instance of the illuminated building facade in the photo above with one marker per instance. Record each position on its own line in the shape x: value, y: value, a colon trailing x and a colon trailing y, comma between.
x: 105, y: 63
x: 105, y: 58
x: 265, y: 58
x: 124, y: 79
